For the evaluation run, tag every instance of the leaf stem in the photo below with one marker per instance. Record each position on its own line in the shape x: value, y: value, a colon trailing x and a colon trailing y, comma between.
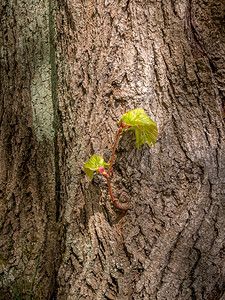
x: 123, y: 206
x: 110, y: 189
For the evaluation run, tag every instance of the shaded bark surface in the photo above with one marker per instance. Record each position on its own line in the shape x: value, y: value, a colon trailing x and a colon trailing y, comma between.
x: 28, y: 152
x: 68, y: 72
x: 168, y: 58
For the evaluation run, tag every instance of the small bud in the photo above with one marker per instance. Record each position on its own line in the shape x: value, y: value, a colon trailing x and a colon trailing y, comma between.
x: 105, y: 174
x: 122, y: 125
x: 101, y: 169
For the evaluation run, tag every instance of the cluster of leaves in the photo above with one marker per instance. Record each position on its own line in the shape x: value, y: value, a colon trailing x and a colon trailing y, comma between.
x: 145, y: 131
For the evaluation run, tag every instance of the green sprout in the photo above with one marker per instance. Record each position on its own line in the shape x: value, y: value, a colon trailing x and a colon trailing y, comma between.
x: 145, y: 131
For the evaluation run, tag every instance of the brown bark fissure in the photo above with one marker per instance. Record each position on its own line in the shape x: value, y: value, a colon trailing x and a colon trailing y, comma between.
x: 208, y: 46
x: 196, y: 45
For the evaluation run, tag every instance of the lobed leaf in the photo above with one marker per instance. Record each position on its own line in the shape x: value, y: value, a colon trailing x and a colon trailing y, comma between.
x: 93, y: 164
x: 145, y: 129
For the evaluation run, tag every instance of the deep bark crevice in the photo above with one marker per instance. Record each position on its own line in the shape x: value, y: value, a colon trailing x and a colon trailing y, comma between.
x: 56, y: 120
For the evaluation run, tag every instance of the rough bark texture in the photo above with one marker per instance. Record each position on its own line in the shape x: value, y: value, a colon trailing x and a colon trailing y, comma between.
x: 28, y: 151
x: 166, y: 57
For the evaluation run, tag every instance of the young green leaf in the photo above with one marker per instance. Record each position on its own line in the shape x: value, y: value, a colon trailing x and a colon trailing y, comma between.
x: 145, y: 129
x: 93, y: 165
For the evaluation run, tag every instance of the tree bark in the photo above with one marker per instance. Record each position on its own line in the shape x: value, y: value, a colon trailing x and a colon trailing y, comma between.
x: 29, y: 155
x: 101, y: 59
x: 168, y: 58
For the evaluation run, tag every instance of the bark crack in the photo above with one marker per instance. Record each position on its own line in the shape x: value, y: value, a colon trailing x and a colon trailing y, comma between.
x: 56, y: 128
x: 55, y: 108
x: 196, y: 45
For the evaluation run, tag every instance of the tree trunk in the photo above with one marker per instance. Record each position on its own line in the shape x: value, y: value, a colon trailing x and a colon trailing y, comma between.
x: 66, y: 82
x: 29, y: 155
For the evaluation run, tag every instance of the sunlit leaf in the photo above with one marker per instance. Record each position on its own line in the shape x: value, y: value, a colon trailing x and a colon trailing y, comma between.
x: 93, y: 164
x: 145, y: 129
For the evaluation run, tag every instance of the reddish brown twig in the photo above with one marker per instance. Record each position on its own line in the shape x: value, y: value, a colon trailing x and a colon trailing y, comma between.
x: 123, y: 206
